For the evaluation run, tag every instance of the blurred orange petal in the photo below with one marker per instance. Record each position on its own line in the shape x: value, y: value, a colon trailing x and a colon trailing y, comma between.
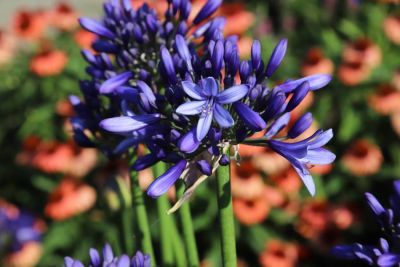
x: 249, y: 212
x: 8, y: 47
x: 353, y: 73
x: 84, y: 39
x: 48, y: 63
x: 246, y: 182
x: 238, y: 19
x: 28, y: 256
x: 395, y: 120
x: 363, y: 51
x: 244, y: 45
x: 270, y: 162
x: 279, y: 254
x: 29, y: 25
x: 64, y: 17
x: 287, y: 180
x: 316, y: 63
x: 363, y: 158
x: 391, y: 27
x: 385, y: 100
x: 70, y: 198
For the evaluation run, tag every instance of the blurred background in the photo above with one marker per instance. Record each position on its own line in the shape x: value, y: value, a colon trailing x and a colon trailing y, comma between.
x: 70, y: 198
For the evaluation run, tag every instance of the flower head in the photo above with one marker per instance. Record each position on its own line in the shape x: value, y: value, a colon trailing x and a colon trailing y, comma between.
x: 109, y: 260
x: 386, y: 253
x: 175, y: 91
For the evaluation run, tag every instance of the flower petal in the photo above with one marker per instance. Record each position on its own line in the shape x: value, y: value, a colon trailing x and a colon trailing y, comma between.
x: 316, y: 81
x: 96, y: 27
x: 108, y: 254
x: 203, y: 125
x: 301, y: 125
x: 166, y: 180
x: 123, y: 261
x: 114, y: 82
x: 189, y: 143
x: 192, y: 90
x: 276, y: 58
x: 319, y: 156
x: 94, y: 257
x: 222, y: 116
x: 388, y: 260
x: 251, y: 118
x: 232, y: 94
x: 191, y: 108
x: 278, y: 125
x: 125, y: 124
x: 207, y: 10
x: 210, y: 86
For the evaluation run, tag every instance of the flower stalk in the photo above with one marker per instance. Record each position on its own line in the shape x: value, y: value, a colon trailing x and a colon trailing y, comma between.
x: 167, y: 255
x: 227, y: 226
x: 188, y: 231
x: 141, y: 217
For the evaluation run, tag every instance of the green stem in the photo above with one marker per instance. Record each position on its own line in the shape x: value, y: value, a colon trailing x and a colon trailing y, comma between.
x: 167, y: 255
x: 127, y: 235
x: 180, y: 258
x: 141, y: 217
x: 227, y: 226
x: 188, y: 231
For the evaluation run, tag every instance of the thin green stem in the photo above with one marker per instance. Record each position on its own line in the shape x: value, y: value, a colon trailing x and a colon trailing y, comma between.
x: 167, y: 255
x: 127, y: 227
x: 178, y: 246
x: 227, y: 226
x: 188, y: 231
x: 141, y: 217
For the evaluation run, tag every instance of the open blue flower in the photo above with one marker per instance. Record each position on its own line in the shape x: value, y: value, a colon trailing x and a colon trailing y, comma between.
x: 209, y: 103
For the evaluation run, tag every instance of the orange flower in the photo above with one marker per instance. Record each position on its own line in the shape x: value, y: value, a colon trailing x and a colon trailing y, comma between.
x: 363, y: 158
x: 395, y: 120
x: 316, y: 63
x: 64, y: 108
x: 249, y: 212
x: 29, y: 25
x: 246, y: 181
x: 313, y: 219
x: 321, y: 169
x: 64, y: 17
x: 244, y: 46
x: 279, y: 254
x: 353, y: 73
x: 48, y: 62
x: 287, y: 180
x: 70, y: 198
x: 386, y: 100
x: 363, y: 51
x: 270, y: 162
x: 8, y: 47
x: 391, y: 27
x: 343, y: 217
x: 55, y: 157
x: 84, y: 39
x: 28, y: 256
x: 238, y: 19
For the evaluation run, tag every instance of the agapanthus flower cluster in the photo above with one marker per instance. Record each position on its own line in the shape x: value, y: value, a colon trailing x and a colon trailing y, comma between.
x: 181, y: 89
x: 17, y: 228
x: 109, y: 260
x: 386, y: 253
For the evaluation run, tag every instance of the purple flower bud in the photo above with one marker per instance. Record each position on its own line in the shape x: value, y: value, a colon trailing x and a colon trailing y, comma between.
x: 375, y: 207
x: 168, y: 64
x: 145, y: 161
x: 103, y: 46
x: 388, y: 259
x: 316, y: 81
x: 276, y: 57
x: 147, y: 92
x: 94, y: 257
x: 166, y: 180
x: 278, y: 125
x: 217, y: 58
x: 151, y: 23
x: 256, y: 54
x: 182, y: 28
x: 125, y: 124
x: 251, y: 118
x: 298, y: 96
x: 89, y: 57
x: 189, y: 142
x: 114, y: 82
x: 108, y: 254
x: 205, y: 167
x: 185, y: 9
x: 244, y: 71
x: 224, y: 160
x: 183, y: 50
x: 96, y: 27
x: 208, y: 9
x: 301, y: 125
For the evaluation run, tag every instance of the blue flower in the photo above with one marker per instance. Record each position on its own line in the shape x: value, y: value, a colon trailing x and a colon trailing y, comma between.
x: 15, y: 231
x: 209, y: 104
x: 386, y: 254
x: 109, y: 260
